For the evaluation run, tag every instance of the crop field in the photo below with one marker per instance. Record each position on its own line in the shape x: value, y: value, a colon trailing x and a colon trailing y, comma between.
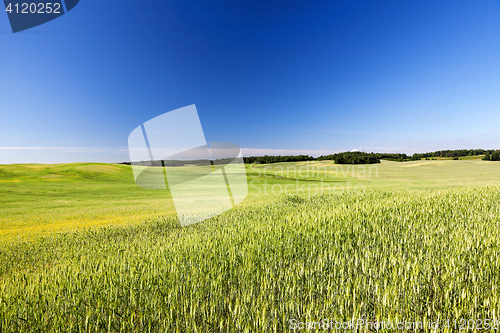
x: 83, y: 249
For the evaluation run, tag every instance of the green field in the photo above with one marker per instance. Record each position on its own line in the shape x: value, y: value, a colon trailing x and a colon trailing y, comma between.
x: 43, y: 199
x: 82, y: 248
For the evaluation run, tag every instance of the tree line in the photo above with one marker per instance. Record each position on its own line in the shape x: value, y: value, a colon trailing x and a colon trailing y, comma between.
x: 455, y: 153
x: 176, y: 163
x: 267, y: 159
x: 494, y: 156
x: 354, y: 157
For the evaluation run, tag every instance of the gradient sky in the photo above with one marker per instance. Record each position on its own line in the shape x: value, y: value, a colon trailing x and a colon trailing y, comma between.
x: 275, y: 77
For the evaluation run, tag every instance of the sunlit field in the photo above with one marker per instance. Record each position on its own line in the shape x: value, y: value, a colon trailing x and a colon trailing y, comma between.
x: 82, y: 248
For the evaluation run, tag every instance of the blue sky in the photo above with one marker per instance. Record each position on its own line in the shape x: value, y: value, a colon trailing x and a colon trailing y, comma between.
x: 273, y: 77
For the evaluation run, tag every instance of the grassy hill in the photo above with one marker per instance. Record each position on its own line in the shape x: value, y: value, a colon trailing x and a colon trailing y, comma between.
x: 42, y: 199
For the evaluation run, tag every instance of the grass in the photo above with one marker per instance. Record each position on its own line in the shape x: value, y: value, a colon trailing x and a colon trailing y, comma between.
x: 42, y: 199
x: 435, y: 174
x: 420, y: 242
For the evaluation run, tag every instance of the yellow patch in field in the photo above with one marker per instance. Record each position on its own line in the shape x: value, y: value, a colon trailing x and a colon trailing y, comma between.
x: 97, y: 168
x: 51, y: 177
x: 10, y: 181
x: 68, y: 224
x: 35, y: 166
x: 413, y: 165
x: 313, y: 164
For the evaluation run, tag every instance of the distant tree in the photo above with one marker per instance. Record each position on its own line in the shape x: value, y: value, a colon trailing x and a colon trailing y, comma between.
x: 486, y: 157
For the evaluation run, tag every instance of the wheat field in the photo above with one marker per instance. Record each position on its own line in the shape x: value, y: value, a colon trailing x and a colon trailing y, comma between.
x: 414, y: 254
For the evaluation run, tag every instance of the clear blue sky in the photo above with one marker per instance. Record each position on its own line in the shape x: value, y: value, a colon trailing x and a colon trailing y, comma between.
x: 270, y: 76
